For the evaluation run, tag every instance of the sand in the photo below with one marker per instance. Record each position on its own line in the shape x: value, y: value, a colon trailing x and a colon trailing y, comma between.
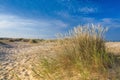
x: 16, y: 59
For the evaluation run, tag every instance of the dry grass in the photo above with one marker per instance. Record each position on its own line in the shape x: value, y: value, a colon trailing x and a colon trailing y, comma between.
x: 81, y: 56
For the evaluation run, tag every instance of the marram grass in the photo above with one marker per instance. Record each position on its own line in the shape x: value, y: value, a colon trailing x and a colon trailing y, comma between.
x: 81, y: 56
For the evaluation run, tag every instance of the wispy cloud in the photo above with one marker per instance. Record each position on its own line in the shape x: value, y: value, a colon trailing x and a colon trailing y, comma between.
x: 22, y: 26
x: 8, y: 21
x: 63, y: 14
x: 110, y: 22
x: 87, y: 10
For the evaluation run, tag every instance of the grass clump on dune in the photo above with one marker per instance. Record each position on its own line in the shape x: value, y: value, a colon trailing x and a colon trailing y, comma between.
x: 33, y: 41
x: 11, y: 40
x: 81, y: 56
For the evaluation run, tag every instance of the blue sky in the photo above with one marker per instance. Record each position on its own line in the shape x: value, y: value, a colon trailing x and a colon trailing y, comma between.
x: 45, y: 18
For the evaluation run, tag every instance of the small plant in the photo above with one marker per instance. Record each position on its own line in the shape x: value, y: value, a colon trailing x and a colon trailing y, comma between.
x: 41, y: 40
x: 19, y: 39
x: 33, y: 41
x: 11, y: 40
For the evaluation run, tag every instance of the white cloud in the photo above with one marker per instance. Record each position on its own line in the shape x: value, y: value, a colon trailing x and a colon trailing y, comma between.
x: 63, y: 14
x: 88, y: 10
x: 14, y: 25
x: 10, y: 21
x: 109, y: 22
x: 106, y: 20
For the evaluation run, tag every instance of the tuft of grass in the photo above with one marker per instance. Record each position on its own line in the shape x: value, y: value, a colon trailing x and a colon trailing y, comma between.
x: 81, y: 55
x: 33, y: 41
x: 11, y: 40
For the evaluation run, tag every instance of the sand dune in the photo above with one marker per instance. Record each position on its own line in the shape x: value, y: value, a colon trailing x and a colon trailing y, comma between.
x: 16, y: 56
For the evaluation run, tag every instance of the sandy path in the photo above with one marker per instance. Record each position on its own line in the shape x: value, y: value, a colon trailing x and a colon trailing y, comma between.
x: 15, y: 60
